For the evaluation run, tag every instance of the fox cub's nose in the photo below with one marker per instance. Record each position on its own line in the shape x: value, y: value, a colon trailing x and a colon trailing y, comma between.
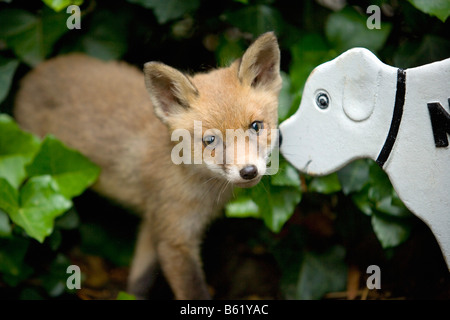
x: 249, y: 172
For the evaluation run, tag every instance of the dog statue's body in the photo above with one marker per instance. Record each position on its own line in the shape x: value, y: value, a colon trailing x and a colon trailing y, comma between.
x: 355, y: 106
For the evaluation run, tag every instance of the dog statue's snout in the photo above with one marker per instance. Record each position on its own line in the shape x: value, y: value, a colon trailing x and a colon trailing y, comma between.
x: 249, y: 172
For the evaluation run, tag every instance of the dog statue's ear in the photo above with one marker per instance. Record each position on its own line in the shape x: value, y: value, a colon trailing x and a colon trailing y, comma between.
x: 170, y: 90
x: 260, y: 64
x: 363, y: 76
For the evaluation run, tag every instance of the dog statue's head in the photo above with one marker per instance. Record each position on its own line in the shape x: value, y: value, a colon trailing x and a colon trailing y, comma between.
x: 345, y: 113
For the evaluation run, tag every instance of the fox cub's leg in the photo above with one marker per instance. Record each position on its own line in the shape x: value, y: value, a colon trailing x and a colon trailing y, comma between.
x: 145, y: 264
x: 173, y: 245
x: 182, y: 267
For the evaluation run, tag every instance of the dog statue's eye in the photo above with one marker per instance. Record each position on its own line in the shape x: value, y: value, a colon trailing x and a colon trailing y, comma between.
x: 257, y: 126
x: 322, y: 100
x: 209, y: 141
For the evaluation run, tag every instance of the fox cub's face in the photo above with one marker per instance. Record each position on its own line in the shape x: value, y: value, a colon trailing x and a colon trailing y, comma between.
x: 225, y: 120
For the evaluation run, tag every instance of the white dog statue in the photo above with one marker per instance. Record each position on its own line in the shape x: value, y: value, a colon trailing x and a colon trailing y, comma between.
x: 355, y: 106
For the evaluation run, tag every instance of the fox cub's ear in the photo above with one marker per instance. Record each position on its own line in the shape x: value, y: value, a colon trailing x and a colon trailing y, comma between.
x: 170, y: 90
x: 260, y: 64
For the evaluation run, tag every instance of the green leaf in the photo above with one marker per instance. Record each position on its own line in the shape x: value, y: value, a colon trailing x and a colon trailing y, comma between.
x: 54, y: 279
x: 12, y: 254
x: 354, y: 176
x: 438, y: 8
x: 7, y: 69
x: 282, y: 204
x: 71, y: 171
x: 276, y: 204
x: 287, y: 175
x: 58, y: 5
x: 242, y: 207
x: 326, y: 184
x: 273, y: 204
x: 413, y: 54
x: 362, y: 201
x: 5, y: 225
x: 125, y: 296
x: 106, y: 37
x: 39, y: 204
x: 68, y: 221
x: 168, y: 9
x: 390, y: 232
x: 32, y: 37
x: 348, y: 28
x: 307, y: 53
x: 17, y: 149
x: 104, y: 242
x: 31, y: 294
x: 14, y: 22
x: 285, y: 98
x: 379, y: 184
x: 256, y: 19
x: 9, y: 198
x: 229, y: 49
x: 393, y: 206
x: 321, y: 273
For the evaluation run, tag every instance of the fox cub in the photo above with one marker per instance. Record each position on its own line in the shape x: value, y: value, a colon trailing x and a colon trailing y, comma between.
x: 124, y: 121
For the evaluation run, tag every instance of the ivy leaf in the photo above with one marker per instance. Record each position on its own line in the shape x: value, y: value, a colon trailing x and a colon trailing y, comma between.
x: 307, y: 53
x: 58, y: 5
x: 273, y: 204
x: 321, y: 273
x: 287, y: 175
x: 256, y: 19
x: 327, y: 184
x: 55, y: 277
x: 39, y: 204
x: 276, y: 204
x: 285, y: 98
x: 71, y: 171
x: 7, y: 69
x: 107, y: 243
x: 390, y: 232
x: 105, y: 39
x: 32, y: 37
x: 229, y: 49
x: 354, y: 176
x: 380, y: 186
x: 412, y: 54
x: 168, y: 9
x: 438, y: 8
x: 9, y: 198
x: 362, y: 201
x: 393, y: 206
x: 12, y: 255
x: 347, y: 29
x: 17, y: 149
x: 5, y: 225
x: 125, y: 296
x: 282, y: 202
x: 242, y: 207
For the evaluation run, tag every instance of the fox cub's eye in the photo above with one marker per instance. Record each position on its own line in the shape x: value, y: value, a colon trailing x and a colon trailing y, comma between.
x: 257, y: 126
x: 209, y: 141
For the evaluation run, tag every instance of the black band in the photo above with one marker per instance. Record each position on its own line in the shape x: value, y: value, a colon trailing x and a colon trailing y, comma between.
x: 396, y: 118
